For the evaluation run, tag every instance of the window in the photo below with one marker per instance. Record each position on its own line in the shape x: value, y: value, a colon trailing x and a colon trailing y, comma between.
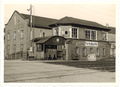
x: 43, y: 34
x: 112, y: 51
x: 97, y: 52
x: 21, y: 34
x: 87, y: 34
x: 56, y: 31
x: 14, y: 35
x: 39, y: 47
x: 104, y: 36
x: 8, y: 36
x: 74, y: 32
x: 103, y: 51
x: 84, y: 52
x: 66, y: 32
x: 91, y: 34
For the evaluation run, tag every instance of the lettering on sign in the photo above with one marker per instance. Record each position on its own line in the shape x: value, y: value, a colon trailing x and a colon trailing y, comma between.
x: 88, y: 43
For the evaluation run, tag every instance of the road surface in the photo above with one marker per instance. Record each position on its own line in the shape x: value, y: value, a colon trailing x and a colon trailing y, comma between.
x: 39, y: 71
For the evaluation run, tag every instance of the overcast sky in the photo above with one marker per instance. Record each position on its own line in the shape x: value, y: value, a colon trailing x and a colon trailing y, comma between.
x: 101, y: 13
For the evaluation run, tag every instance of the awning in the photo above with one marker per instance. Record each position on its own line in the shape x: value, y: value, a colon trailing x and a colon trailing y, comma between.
x: 52, y: 40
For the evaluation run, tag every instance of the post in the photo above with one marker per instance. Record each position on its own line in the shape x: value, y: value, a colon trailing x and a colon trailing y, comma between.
x: 31, y: 30
x: 30, y: 21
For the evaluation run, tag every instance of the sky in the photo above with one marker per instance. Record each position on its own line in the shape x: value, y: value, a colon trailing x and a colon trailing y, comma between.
x: 100, y: 13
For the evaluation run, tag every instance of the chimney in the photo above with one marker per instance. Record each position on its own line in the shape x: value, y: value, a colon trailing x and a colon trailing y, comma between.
x: 107, y: 25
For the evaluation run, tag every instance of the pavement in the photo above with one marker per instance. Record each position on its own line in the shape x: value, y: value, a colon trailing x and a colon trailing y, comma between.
x: 42, y: 72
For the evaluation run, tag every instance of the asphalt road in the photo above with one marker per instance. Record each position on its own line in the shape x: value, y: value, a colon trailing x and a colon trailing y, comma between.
x: 39, y: 71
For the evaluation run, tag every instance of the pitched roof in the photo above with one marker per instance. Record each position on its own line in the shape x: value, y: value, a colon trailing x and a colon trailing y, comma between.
x: 38, y: 21
x: 44, y: 22
x: 71, y: 20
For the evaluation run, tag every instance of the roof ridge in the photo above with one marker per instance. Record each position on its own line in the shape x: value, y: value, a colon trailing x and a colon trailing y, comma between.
x: 84, y: 20
x: 73, y: 20
x: 39, y: 16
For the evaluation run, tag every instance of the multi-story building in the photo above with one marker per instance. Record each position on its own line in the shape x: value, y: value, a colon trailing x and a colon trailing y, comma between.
x: 67, y: 39
x: 18, y: 35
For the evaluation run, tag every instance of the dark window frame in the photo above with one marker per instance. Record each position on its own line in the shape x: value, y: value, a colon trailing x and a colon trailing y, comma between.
x: 74, y: 32
x: 90, y: 34
x: 87, y: 34
x: 93, y: 35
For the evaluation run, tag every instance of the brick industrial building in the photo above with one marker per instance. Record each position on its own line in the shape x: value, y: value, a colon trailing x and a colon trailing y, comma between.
x: 66, y: 39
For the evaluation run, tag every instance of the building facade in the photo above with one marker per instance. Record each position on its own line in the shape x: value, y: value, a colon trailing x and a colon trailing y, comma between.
x: 18, y: 36
x: 112, y: 39
x: 65, y: 39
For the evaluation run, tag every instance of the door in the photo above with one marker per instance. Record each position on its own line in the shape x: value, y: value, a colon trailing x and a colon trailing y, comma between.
x: 51, y: 54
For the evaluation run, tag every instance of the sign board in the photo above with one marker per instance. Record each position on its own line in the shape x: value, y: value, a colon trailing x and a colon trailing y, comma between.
x: 89, y: 43
x: 91, y: 57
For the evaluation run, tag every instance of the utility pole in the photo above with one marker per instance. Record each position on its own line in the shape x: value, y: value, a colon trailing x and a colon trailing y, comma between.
x: 30, y: 21
x: 31, y: 30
